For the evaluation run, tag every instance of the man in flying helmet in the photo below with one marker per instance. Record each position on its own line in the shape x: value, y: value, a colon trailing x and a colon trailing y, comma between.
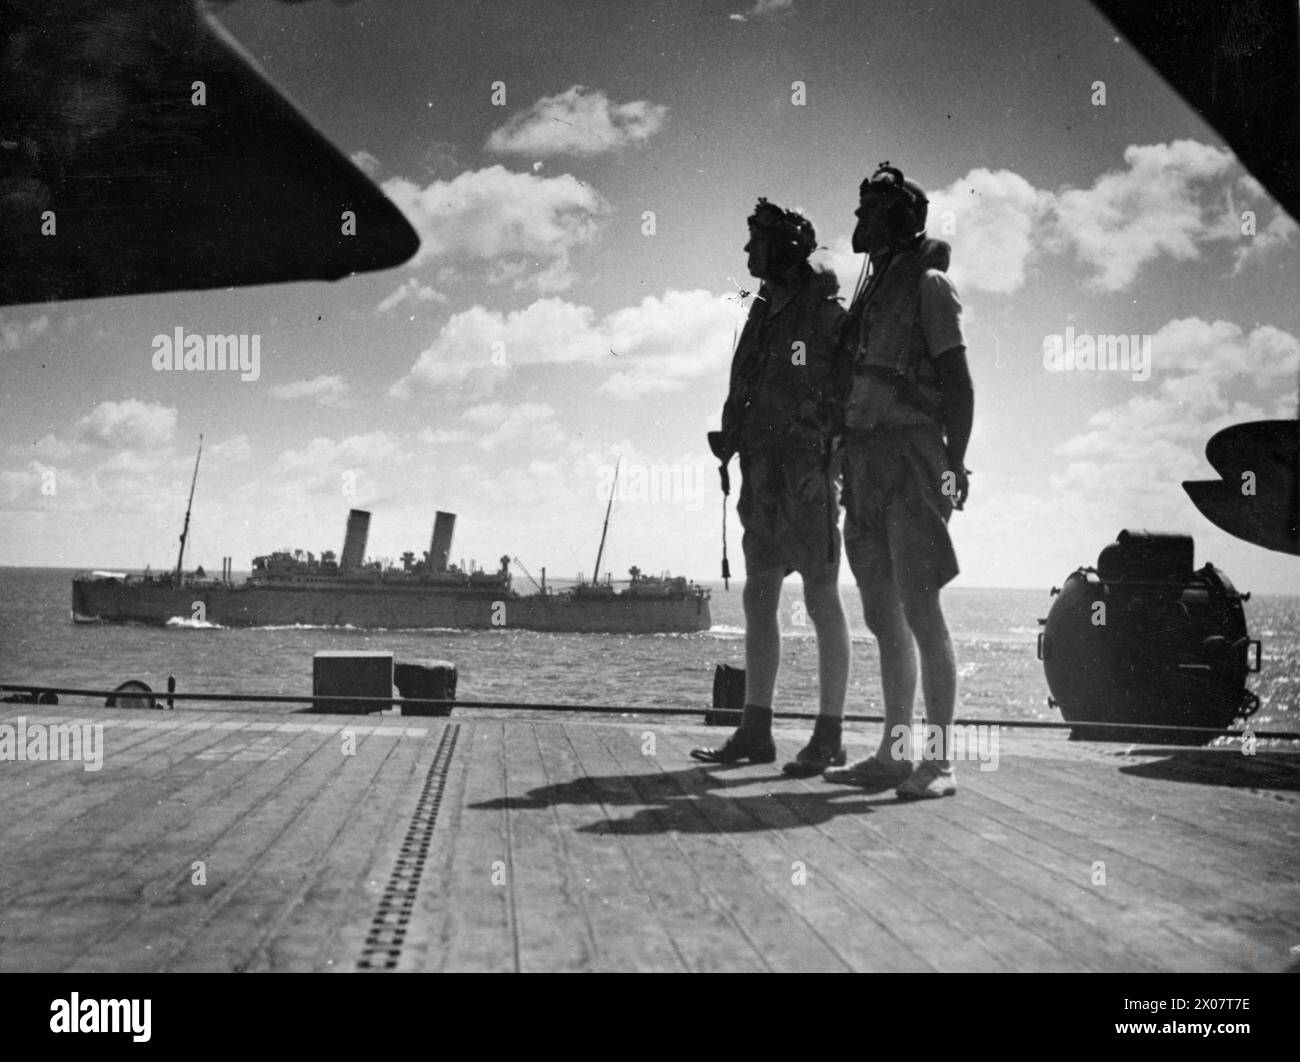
x: 907, y: 407
x: 777, y: 417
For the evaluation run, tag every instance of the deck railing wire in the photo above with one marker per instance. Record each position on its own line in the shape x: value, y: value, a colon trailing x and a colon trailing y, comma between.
x: 132, y: 698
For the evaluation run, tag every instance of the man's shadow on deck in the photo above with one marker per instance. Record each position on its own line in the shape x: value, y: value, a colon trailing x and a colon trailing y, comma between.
x: 696, y: 800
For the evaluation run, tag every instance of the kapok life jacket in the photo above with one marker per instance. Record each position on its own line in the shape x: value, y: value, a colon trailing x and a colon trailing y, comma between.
x: 779, y: 394
x: 884, y: 341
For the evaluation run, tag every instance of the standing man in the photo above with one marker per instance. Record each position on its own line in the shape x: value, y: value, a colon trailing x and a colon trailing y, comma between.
x: 777, y: 417
x: 908, y: 406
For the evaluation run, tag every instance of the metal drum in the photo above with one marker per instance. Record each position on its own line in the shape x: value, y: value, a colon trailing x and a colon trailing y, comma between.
x: 1144, y: 638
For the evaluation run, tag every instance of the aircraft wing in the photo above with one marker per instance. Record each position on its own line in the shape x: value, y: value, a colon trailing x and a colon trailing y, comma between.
x: 115, y: 181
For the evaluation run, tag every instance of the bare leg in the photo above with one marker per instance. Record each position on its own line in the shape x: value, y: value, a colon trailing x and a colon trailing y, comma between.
x: 938, y: 663
x: 883, y: 612
x: 833, y: 647
x: 762, y: 598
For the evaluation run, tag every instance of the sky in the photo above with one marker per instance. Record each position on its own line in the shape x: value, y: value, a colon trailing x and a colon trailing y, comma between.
x: 580, y: 175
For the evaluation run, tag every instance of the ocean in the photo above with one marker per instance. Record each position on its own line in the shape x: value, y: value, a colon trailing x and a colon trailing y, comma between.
x: 994, y: 632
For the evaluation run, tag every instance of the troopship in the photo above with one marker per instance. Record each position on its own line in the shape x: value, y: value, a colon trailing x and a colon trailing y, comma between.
x: 287, y: 588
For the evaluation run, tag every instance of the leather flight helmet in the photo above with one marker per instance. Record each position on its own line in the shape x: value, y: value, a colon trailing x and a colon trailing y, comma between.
x: 791, y: 237
x: 906, y: 204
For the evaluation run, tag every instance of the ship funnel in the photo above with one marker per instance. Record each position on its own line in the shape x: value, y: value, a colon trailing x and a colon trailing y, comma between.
x: 444, y: 524
x: 354, y: 544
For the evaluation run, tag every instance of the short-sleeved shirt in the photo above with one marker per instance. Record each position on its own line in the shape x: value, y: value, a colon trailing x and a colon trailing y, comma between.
x: 939, y: 312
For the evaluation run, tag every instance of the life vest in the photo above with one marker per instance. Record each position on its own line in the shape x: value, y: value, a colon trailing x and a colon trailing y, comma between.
x: 886, y: 344
x: 772, y: 393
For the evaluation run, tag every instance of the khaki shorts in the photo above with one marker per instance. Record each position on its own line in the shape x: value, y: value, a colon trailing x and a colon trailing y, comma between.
x: 896, y: 514
x: 790, y: 514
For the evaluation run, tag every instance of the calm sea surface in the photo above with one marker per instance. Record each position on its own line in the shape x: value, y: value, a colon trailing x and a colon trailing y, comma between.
x: 994, y: 630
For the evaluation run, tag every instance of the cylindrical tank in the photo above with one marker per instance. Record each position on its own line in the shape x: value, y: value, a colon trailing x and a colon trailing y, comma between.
x: 354, y: 542
x: 1142, y: 638
x: 444, y: 525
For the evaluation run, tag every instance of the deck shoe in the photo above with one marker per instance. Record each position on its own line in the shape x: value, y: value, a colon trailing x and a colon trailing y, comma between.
x: 814, y: 758
x: 742, y: 745
x: 931, y: 780
x: 871, y: 773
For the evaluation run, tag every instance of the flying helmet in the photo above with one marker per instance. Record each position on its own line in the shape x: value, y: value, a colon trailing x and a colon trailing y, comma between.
x: 790, y: 236
x: 906, y: 203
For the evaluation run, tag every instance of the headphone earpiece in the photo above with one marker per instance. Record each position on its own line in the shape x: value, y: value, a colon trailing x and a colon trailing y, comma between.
x: 908, y: 207
x: 791, y: 237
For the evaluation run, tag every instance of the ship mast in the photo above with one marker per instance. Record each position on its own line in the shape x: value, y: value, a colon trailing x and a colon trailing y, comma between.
x: 595, y: 575
x: 180, y: 557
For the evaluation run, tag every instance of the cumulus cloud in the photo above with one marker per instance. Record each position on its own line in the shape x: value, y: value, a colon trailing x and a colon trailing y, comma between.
x: 531, y: 423
x: 656, y: 346
x: 14, y: 335
x: 1133, y: 457
x: 443, y: 436
x: 843, y: 261
x: 128, y: 425
x: 365, y: 162
x: 48, y: 448
x: 1279, y: 231
x: 235, y: 449
x: 1157, y: 206
x: 1168, y: 201
x: 495, y: 215
x: 990, y: 218
x: 413, y: 291
x: 41, y: 487
x: 329, y: 390
x: 479, y: 341
x: 578, y: 121
x: 669, y: 341
x: 320, y: 465
x: 1257, y: 242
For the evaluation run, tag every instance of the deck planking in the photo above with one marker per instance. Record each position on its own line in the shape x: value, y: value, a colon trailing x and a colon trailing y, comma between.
x: 579, y: 846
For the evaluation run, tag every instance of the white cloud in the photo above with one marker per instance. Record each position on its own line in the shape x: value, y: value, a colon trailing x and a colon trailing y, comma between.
x: 1131, y: 217
x: 48, y: 448
x: 443, y: 436
x: 29, y: 489
x: 494, y: 215
x: 366, y: 163
x: 412, y: 290
x: 1167, y: 201
x: 530, y: 423
x: 321, y: 465
x: 655, y: 346
x: 128, y: 425
x: 327, y: 390
x: 991, y: 219
x: 844, y: 262
x: 14, y: 335
x: 578, y: 121
x: 233, y: 450
x: 663, y: 343
x: 1133, y: 457
x: 1279, y: 231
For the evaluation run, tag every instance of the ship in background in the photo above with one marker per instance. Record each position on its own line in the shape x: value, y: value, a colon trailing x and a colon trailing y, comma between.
x: 287, y: 588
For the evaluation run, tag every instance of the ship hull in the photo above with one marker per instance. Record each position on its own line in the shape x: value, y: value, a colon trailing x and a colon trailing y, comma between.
x: 383, y: 606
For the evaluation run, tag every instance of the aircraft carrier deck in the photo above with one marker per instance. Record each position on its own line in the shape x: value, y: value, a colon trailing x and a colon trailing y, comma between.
x: 512, y: 844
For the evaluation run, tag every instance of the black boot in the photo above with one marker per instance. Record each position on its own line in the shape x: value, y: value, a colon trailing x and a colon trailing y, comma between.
x: 824, y: 749
x: 752, y: 741
x: 742, y: 745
